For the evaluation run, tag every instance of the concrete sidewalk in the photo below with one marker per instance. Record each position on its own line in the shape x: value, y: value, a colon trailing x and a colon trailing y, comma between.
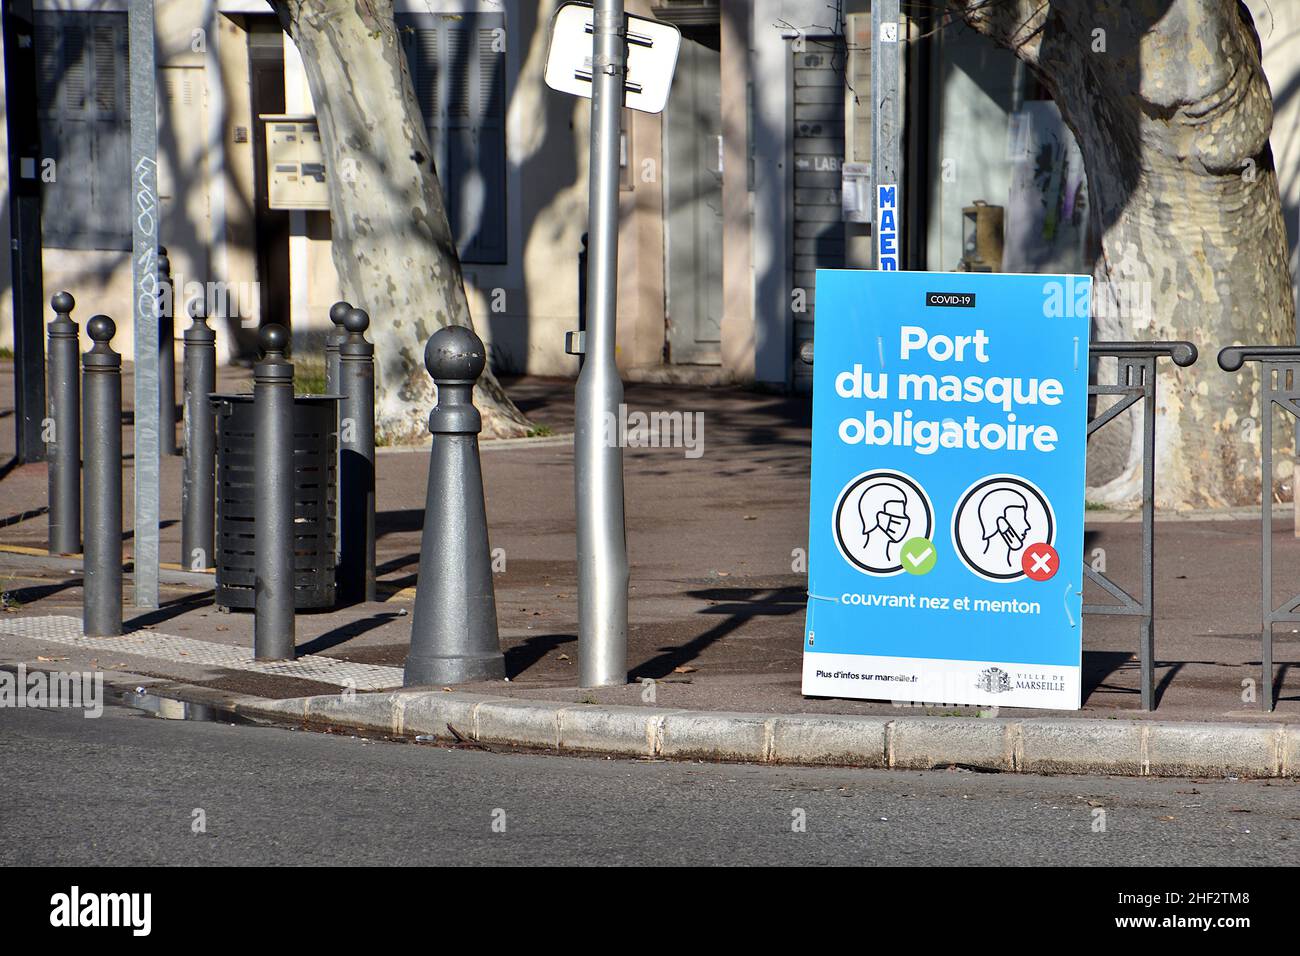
x: 717, y: 594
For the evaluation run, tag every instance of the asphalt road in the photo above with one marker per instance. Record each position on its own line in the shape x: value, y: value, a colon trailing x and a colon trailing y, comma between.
x: 125, y: 789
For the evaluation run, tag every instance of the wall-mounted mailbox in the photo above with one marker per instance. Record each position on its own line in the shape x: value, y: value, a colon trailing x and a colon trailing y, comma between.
x: 295, y: 166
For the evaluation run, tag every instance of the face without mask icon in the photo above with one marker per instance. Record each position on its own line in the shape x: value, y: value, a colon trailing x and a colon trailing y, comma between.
x: 1004, y: 523
x: 995, y: 521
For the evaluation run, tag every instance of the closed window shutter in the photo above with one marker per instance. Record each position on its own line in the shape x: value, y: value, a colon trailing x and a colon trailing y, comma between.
x: 422, y: 61
x: 82, y: 111
x: 461, y: 60
x: 487, y: 121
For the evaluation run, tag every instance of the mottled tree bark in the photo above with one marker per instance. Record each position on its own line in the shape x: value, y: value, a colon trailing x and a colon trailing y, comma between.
x: 1172, y: 113
x: 392, y: 244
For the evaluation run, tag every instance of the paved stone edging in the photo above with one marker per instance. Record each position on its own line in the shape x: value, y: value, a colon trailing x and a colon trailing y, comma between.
x: 1032, y: 745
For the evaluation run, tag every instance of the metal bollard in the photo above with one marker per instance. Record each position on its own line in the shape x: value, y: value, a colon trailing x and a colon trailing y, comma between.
x: 198, y: 490
x: 166, y: 356
x: 101, y: 413
x: 454, y: 626
x: 333, y: 339
x: 273, y: 622
x: 64, y: 445
x: 356, y: 569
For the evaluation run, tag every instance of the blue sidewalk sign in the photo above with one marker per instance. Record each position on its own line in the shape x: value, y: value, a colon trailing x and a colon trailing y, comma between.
x: 946, y: 525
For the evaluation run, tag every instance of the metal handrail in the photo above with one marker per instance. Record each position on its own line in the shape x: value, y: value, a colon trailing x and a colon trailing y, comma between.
x: 1234, y: 356
x: 1181, y: 353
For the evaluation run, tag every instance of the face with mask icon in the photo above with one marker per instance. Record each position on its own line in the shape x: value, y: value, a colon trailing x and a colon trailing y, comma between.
x: 893, y: 520
x: 885, y: 523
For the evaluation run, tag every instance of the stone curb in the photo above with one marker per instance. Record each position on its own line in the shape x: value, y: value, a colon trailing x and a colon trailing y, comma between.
x: 1032, y: 745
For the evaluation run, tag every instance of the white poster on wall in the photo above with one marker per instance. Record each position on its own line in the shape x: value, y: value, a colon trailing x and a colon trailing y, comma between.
x: 1047, y: 203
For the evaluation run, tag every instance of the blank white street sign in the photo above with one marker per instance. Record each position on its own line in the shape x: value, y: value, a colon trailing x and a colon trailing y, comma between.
x: 651, y: 57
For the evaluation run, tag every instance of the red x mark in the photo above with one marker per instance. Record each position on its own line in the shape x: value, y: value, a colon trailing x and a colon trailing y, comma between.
x: 1040, y: 562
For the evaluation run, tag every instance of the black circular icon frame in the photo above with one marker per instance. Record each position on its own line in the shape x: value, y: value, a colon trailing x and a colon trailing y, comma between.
x: 961, y: 509
x: 847, y: 493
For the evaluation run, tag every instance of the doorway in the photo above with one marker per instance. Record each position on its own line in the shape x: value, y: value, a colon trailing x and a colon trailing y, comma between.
x: 693, y: 201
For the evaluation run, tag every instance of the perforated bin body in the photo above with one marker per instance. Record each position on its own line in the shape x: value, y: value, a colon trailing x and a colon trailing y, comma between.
x: 315, y: 483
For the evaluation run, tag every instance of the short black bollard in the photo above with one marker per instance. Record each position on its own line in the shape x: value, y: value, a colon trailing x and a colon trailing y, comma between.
x: 454, y: 627
x: 166, y: 356
x: 333, y: 339
x: 64, y: 429
x: 273, y: 623
x: 356, y: 570
x: 101, y: 413
x: 198, y: 489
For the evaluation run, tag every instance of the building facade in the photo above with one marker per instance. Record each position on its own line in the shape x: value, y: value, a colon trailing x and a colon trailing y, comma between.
x: 731, y: 199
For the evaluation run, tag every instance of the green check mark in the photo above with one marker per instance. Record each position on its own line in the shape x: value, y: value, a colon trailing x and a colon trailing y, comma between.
x: 918, y: 556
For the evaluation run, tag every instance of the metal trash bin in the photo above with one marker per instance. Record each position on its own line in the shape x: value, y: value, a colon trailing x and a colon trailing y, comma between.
x: 315, y: 483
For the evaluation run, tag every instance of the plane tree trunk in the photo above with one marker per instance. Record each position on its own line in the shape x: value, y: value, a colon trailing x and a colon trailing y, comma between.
x: 1172, y: 113
x: 392, y: 244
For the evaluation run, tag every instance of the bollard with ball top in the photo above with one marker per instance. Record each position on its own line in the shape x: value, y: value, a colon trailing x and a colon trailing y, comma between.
x: 198, y: 488
x: 64, y: 437
x: 454, y: 626
x: 273, y: 609
x: 333, y: 339
x: 356, y: 383
x: 101, y: 413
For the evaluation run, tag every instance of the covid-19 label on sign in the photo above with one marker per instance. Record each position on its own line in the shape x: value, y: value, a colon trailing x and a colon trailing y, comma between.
x: 946, y: 526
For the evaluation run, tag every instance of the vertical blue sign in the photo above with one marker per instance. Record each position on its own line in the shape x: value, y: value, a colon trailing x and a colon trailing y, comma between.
x: 946, y: 525
x: 887, y: 231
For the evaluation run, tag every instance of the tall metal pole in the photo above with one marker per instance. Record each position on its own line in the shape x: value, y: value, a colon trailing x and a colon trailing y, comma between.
x: 598, y: 456
x: 198, y: 491
x: 65, y: 421
x: 273, y: 622
x: 144, y: 252
x: 887, y: 191
x: 102, y: 415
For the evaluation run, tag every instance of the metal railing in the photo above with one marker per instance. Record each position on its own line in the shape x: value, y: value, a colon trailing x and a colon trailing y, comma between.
x: 1279, y: 367
x: 1135, y: 381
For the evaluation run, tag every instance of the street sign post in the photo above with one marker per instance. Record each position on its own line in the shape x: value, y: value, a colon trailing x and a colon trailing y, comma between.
x: 885, y: 161
x: 618, y: 61
x: 598, y: 462
x: 145, y: 219
x: 949, y: 431
x: 651, y: 52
